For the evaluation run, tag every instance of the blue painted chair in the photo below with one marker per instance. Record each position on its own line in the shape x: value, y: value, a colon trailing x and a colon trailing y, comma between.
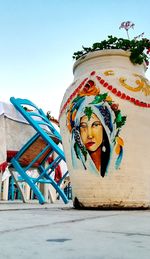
x: 35, y: 153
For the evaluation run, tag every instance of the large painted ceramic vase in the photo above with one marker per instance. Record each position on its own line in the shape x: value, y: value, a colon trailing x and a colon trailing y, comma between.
x: 105, y: 128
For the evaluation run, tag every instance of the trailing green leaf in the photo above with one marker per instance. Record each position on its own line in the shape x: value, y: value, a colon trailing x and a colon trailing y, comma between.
x: 84, y: 152
x: 76, y: 148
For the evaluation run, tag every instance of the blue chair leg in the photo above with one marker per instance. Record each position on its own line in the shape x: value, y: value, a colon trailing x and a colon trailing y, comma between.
x: 11, y: 189
x: 59, y: 190
x: 29, y: 182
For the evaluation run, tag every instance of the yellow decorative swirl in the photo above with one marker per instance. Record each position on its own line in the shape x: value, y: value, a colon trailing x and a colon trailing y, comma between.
x: 122, y: 80
x: 146, y: 86
x: 142, y: 85
x: 109, y: 73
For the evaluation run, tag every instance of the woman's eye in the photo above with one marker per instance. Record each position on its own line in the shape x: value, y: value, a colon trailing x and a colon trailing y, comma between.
x: 96, y: 123
x: 83, y: 125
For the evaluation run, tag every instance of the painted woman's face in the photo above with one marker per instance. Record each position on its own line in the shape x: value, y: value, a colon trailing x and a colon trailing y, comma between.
x: 91, y: 132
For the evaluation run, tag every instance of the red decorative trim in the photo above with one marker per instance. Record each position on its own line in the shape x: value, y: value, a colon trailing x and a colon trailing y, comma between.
x: 3, y: 167
x: 11, y: 154
x: 121, y: 94
x: 105, y: 84
x: 92, y: 73
x: 72, y: 96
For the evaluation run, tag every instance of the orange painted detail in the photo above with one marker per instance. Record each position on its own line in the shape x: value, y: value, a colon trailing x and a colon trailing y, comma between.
x: 72, y: 96
x: 105, y: 84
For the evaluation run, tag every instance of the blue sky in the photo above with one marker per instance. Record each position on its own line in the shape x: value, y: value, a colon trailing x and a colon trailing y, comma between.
x: 39, y: 37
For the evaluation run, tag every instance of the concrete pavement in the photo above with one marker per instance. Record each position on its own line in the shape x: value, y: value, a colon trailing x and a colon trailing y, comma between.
x: 60, y: 231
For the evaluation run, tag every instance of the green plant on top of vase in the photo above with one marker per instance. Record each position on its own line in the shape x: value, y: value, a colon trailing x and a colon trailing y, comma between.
x: 139, y: 48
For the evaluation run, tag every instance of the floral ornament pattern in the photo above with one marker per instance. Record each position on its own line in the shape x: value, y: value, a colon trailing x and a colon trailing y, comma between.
x: 110, y: 115
x: 89, y: 89
x: 105, y: 84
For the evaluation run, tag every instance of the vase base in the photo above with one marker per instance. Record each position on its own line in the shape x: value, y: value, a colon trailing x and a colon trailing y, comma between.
x: 113, y: 206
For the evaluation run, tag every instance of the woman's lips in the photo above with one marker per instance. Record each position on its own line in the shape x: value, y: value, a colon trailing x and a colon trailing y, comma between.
x: 89, y: 144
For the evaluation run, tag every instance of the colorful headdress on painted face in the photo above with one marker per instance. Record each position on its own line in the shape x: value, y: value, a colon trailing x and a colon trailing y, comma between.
x: 89, y: 100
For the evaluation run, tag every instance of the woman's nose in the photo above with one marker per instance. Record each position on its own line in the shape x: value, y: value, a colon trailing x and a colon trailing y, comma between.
x: 89, y: 132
